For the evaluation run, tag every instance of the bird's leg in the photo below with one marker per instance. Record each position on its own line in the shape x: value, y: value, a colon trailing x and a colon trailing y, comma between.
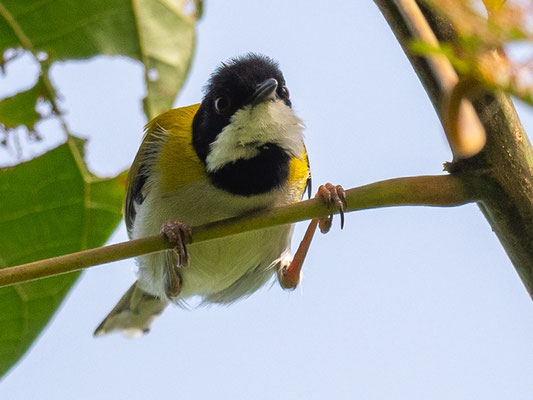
x: 173, y: 281
x: 176, y: 233
x: 289, y: 276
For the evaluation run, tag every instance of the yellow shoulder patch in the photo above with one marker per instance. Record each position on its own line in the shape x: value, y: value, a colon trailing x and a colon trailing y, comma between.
x: 178, y: 162
x: 299, y: 172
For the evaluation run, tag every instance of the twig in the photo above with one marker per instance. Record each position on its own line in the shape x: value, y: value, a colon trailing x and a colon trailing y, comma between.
x: 440, y: 190
x: 457, y: 131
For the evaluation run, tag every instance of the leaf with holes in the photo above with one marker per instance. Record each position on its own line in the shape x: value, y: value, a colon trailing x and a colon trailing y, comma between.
x: 20, y: 109
x: 159, y: 33
x: 49, y: 206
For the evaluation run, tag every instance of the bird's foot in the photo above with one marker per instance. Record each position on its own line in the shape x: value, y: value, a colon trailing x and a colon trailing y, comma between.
x: 177, y: 233
x: 334, y: 196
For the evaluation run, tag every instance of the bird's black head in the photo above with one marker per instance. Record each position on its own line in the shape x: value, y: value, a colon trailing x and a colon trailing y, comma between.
x: 232, y: 87
x: 245, y: 130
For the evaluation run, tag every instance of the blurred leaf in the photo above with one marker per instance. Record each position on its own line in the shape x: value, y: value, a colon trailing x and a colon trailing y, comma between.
x: 446, y: 49
x: 166, y: 53
x: 516, y: 34
x: 159, y: 33
x: 49, y: 206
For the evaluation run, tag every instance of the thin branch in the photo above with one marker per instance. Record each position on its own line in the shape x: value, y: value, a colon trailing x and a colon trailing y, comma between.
x: 440, y: 190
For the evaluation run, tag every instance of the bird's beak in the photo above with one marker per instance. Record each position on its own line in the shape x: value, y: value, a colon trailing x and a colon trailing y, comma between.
x: 265, y: 91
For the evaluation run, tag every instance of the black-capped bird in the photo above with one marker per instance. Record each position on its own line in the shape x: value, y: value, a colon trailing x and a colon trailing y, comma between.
x: 240, y: 150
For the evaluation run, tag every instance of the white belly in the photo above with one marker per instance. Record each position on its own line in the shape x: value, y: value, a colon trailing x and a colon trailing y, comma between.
x: 222, y: 269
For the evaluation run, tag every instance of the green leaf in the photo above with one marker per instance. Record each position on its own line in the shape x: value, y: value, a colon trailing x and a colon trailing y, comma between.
x: 50, y: 206
x: 166, y: 56
x: 20, y: 109
x: 159, y: 33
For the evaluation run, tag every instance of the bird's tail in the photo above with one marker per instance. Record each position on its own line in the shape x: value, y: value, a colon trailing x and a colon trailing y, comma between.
x: 133, y: 314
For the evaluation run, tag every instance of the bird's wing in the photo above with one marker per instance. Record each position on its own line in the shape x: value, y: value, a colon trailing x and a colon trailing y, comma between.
x: 166, y: 148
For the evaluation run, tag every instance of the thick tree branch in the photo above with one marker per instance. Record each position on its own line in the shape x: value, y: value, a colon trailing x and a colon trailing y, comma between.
x: 506, y: 161
x: 441, y: 190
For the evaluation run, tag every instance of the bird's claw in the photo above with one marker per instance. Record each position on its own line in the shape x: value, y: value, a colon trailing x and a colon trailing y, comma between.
x: 177, y: 233
x: 334, y: 197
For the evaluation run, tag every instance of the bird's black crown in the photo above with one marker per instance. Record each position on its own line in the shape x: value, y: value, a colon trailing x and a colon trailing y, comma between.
x: 241, y: 75
x: 229, y: 89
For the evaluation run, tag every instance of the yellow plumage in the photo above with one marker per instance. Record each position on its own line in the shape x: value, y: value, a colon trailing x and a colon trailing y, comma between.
x: 299, y: 172
x: 179, y: 164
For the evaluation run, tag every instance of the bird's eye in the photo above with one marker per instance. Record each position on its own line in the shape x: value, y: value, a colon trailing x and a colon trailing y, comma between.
x: 284, y: 92
x: 222, y: 104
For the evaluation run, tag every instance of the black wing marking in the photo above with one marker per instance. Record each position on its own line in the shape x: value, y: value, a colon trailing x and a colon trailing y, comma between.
x: 139, y: 174
x: 309, y: 183
x: 135, y: 196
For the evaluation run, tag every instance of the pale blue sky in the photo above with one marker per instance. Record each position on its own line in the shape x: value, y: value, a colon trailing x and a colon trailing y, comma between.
x: 405, y: 303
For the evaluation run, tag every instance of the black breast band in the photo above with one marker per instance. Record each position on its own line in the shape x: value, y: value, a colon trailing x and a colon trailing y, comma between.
x: 266, y: 171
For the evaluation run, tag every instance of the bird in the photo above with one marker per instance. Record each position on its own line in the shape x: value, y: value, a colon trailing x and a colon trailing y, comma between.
x: 238, y: 151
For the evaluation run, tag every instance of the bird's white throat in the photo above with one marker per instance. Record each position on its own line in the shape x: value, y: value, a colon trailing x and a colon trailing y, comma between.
x: 252, y: 127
